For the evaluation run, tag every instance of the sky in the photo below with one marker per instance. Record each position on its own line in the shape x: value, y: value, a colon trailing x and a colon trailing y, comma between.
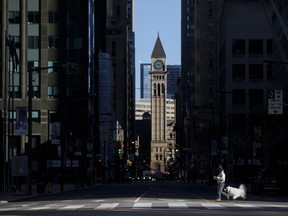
x: 150, y: 18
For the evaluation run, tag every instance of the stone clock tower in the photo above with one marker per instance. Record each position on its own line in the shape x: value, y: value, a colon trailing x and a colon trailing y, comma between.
x: 158, y: 107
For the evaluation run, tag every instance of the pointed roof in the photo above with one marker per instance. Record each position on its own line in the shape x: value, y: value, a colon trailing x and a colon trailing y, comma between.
x: 158, y: 51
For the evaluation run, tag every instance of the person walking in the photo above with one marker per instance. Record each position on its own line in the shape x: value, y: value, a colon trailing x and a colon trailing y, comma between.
x: 220, y: 178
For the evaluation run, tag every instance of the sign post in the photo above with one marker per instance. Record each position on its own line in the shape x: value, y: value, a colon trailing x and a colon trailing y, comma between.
x: 275, y: 101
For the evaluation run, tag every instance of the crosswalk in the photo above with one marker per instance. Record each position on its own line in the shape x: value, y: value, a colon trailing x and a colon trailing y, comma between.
x: 140, y: 205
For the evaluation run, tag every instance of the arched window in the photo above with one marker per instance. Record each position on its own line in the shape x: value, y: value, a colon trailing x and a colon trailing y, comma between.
x: 155, y: 89
x: 163, y: 89
x: 158, y: 89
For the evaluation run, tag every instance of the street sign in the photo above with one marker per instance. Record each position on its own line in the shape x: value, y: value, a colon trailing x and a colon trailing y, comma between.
x: 275, y: 101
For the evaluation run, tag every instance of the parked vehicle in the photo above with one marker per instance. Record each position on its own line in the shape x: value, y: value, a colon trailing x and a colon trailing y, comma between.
x: 269, y: 180
x: 147, y: 175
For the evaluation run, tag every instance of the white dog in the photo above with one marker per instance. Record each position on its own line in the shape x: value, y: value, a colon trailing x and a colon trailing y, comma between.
x: 236, y: 192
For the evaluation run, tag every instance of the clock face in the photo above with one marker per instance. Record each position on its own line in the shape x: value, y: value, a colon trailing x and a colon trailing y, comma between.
x: 158, y: 64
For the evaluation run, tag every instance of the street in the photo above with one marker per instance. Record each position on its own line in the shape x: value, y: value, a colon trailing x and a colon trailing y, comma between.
x: 145, y: 198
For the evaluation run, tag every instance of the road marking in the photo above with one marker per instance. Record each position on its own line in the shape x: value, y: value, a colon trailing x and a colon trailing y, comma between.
x: 97, y: 200
x: 142, y: 195
x: 246, y: 206
x: 142, y: 205
x: 277, y: 206
x: 71, y: 207
x: 39, y: 208
x: 8, y: 209
x: 148, y: 205
x: 107, y: 206
x: 212, y: 206
x: 177, y: 205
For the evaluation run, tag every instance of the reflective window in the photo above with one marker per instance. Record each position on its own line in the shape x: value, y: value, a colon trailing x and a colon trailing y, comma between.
x: 238, y: 96
x: 238, y: 47
x: 255, y: 47
x: 238, y: 72
x: 33, y: 17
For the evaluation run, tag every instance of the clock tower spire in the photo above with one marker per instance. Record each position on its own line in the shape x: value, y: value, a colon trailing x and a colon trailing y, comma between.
x: 158, y: 107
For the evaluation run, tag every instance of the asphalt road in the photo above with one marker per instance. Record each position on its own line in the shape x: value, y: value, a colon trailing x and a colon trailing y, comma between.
x: 145, y: 198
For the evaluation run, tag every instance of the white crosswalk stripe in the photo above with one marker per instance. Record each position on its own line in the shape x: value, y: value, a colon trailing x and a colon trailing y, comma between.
x: 142, y: 205
x: 145, y: 205
x: 107, y: 206
x: 277, y: 206
x: 212, y: 206
x: 247, y: 206
x: 39, y: 208
x: 71, y: 207
x: 177, y: 205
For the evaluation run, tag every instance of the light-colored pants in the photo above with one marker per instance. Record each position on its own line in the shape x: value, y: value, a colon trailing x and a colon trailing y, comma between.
x: 220, y: 189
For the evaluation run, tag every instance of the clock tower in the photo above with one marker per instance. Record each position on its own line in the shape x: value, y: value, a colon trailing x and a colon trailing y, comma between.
x: 158, y: 107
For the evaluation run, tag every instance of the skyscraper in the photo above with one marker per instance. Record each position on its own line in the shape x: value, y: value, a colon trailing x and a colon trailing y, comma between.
x: 58, y: 43
x: 145, y: 80
x: 224, y: 82
x: 173, y: 73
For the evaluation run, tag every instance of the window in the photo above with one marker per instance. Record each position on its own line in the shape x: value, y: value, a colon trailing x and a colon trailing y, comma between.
x: 16, y: 93
x: 35, y: 141
x: 269, y: 72
x: 256, y: 96
x: 210, y: 12
x: 35, y: 88
x: 238, y: 47
x: 238, y: 121
x: 35, y: 79
x: 12, y: 116
x: 33, y: 42
x: 53, y: 42
x: 163, y: 89
x: 14, y: 17
x: 53, y: 91
x: 238, y: 72
x: 53, y: 17
x: 256, y: 72
x: 74, y: 43
x: 35, y: 116
x: 255, y: 47
x: 269, y: 47
x: 238, y: 96
x: 33, y: 17
x: 16, y: 40
x: 113, y: 48
x: 52, y: 64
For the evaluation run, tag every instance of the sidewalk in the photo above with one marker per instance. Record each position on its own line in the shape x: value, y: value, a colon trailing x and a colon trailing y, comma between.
x: 6, y: 197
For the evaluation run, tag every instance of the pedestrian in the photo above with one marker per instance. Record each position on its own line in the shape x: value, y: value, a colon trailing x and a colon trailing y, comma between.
x: 220, y: 178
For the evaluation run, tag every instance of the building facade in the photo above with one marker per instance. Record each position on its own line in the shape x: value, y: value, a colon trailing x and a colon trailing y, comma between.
x: 144, y: 105
x: 229, y: 84
x: 56, y: 82
x: 120, y: 46
x: 145, y: 80
x: 173, y: 73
